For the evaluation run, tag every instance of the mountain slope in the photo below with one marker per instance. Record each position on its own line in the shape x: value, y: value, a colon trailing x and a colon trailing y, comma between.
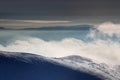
x: 87, y: 65
x: 25, y: 66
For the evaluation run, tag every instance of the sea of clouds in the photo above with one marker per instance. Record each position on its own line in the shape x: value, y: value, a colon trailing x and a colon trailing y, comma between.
x: 101, y: 50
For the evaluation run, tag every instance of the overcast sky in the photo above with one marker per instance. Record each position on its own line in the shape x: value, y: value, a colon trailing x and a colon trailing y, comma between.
x: 75, y: 10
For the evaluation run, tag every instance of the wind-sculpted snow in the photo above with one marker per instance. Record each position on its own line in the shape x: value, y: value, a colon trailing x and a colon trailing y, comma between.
x: 26, y: 66
x: 87, y: 65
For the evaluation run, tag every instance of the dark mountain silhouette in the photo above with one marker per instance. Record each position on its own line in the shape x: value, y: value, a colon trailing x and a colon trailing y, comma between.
x: 2, y: 28
x: 77, y: 27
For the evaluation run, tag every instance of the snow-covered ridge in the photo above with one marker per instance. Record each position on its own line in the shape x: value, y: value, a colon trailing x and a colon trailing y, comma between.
x: 75, y: 62
x: 87, y: 65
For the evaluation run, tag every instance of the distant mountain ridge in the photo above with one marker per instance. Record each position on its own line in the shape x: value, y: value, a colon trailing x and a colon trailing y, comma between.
x: 76, y: 27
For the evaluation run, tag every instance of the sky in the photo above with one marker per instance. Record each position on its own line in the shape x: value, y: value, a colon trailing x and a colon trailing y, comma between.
x: 76, y: 11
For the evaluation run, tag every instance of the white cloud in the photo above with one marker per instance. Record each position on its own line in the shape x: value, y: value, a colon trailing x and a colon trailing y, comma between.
x: 109, y: 28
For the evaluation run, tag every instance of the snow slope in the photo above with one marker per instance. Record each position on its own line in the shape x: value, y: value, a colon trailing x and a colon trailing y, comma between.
x: 76, y: 67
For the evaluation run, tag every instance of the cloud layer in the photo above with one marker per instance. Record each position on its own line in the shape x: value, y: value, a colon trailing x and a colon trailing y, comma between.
x: 12, y: 23
x: 101, y: 50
